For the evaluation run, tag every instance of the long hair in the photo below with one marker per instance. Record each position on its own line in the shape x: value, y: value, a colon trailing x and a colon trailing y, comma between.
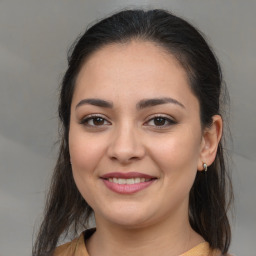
x: 211, y: 193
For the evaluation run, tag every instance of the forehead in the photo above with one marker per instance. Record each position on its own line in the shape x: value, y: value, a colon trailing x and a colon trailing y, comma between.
x: 136, y: 66
x: 126, y: 58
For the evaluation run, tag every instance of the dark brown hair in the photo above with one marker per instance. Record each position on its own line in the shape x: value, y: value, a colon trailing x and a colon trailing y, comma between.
x: 211, y: 193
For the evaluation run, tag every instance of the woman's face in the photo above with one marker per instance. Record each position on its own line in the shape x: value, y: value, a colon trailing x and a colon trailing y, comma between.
x: 135, y: 135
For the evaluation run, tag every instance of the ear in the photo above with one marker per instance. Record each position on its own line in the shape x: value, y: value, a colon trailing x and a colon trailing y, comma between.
x: 209, y: 144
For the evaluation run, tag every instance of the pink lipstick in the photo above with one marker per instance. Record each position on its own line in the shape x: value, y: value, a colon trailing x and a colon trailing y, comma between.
x: 127, y: 183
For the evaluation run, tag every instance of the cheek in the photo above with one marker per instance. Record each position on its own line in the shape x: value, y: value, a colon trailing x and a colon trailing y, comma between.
x: 85, y: 151
x: 177, y: 153
x: 85, y: 155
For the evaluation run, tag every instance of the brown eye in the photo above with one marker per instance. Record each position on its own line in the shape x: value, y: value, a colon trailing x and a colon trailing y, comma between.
x: 93, y: 121
x: 159, y: 121
x: 98, y: 121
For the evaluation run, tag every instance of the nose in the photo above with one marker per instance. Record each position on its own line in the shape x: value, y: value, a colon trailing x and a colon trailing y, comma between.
x: 126, y: 145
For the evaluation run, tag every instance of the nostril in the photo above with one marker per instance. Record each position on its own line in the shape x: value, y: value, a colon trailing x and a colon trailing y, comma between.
x: 126, y: 146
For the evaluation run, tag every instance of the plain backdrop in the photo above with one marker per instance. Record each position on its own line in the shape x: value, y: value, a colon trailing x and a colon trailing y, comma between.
x: 34, y: 38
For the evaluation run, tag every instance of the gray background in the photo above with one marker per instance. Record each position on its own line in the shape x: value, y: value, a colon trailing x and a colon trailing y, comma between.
x: 34, y: 38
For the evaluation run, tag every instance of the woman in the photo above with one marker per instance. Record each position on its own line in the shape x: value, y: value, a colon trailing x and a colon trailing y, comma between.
x: 141, y: 144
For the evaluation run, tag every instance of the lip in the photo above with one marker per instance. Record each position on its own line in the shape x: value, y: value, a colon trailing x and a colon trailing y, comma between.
x: 127, y: 175
x: 127, y: 188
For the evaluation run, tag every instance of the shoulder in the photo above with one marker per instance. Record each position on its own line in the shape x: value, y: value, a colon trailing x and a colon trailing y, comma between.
x: 203, y: 249
x: 76, y: 247
x: 67, y: 249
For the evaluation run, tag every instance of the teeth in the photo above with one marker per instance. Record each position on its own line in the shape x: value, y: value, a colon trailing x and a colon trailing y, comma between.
x: 128, y: 181
x: 121, y: 181
x: 137, y: 180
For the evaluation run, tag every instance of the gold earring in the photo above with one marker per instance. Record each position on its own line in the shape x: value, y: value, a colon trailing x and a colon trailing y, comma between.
x: 205, y: 167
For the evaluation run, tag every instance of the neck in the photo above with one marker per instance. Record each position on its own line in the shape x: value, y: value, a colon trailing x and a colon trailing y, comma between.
x: 164, y: 238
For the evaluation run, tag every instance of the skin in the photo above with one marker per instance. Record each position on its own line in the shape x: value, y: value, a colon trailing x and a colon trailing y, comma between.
x: 153, y: 221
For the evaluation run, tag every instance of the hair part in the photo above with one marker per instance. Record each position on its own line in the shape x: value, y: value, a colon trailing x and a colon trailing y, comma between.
x: 211, y: 193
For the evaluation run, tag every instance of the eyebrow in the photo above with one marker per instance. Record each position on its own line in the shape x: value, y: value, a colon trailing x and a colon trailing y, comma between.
x: 145, y: 103
x: 95, y: 102
x: 157, y: 101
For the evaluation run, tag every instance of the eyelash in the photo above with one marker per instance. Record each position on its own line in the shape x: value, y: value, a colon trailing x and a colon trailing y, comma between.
x: 89, y: 118
x: 164, y: 118
x: 85, y: 121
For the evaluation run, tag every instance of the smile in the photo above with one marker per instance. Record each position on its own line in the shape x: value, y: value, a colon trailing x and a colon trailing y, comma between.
x: 127, y: 183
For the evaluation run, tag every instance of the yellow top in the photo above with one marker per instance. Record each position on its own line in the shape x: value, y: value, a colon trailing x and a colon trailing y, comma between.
x: 77, y: 248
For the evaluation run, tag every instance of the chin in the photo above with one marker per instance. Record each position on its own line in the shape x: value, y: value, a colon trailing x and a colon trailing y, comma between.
x: 126, y: 217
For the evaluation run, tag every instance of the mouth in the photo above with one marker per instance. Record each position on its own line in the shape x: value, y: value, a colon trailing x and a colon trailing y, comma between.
x: 127, y: 183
